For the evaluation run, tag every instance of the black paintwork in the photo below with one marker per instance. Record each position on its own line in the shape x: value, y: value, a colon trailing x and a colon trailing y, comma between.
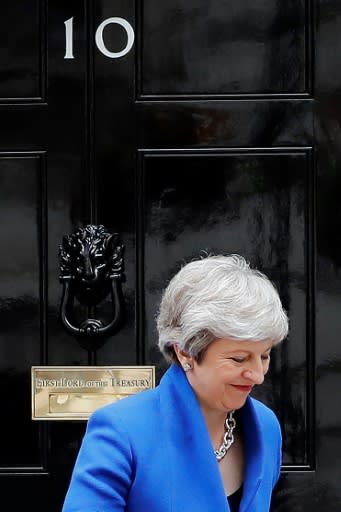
x: 219, y: 131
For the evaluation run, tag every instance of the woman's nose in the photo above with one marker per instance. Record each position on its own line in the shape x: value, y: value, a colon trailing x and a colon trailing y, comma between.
x: 255, y: 373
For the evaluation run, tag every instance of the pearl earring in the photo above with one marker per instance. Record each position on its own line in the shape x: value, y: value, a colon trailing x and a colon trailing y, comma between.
x: 187, y: 366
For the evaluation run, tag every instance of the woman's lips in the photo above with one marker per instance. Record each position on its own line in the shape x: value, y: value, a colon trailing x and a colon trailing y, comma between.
x: 245, y: 389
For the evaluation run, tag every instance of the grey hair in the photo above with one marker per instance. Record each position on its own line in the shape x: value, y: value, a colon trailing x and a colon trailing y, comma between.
x: 218, y: 297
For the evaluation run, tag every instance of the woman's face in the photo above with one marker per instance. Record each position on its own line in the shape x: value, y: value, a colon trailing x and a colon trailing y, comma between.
x: 227, y: 373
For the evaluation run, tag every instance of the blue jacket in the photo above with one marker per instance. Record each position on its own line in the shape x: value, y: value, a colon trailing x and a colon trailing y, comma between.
x: 151, y: 452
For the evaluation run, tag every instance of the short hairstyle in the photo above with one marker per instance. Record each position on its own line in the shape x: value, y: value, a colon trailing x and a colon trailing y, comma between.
x: 218, y: 297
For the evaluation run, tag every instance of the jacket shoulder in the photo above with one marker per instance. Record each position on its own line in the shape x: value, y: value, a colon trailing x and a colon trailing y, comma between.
x: 133, y: 408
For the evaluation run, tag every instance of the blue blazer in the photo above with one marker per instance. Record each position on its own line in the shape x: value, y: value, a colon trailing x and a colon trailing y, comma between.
x: 151, y: 452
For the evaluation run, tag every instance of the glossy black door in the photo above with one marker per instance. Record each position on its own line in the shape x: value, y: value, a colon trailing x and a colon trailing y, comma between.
x: 186, y: 127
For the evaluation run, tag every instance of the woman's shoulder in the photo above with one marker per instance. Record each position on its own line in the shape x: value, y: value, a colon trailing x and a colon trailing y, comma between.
x: 144, y: 403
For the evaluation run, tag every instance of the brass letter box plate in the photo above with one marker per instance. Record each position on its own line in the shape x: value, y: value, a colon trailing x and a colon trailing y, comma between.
x: 74, y: 392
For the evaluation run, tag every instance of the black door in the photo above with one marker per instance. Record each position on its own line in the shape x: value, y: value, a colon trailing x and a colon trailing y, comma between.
x: 185, y: 126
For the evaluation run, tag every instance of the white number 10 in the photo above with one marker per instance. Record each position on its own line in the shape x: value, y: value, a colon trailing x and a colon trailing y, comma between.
x: 99, y: 38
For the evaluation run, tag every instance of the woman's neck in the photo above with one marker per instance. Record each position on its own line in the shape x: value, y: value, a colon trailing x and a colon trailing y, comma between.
x: 215, y: 422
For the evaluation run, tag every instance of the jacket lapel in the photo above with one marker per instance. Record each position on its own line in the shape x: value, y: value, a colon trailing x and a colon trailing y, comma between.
x: 254, y: 454
x: 195, y: 481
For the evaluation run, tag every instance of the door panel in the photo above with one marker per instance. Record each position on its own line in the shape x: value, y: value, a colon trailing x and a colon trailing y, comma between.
x: 21, y: 52
x: 217, y: 131
x: 200, y: 48
x: 254, y: 203
x: 21, y: 177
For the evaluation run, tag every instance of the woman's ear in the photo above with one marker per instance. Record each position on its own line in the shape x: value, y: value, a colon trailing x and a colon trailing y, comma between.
x: 185, y: 360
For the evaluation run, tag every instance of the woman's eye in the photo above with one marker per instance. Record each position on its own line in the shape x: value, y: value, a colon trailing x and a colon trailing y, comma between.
x: 266, y: 357
x: 238, y: 359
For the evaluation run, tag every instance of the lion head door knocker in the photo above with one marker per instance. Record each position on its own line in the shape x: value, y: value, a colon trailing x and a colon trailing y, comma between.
x: 91, y: 271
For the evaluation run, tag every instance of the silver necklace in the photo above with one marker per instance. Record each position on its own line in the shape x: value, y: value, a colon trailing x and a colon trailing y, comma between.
x: 230, y: 425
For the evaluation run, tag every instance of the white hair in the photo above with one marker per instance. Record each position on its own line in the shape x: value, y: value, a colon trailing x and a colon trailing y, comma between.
x: 218, y: 297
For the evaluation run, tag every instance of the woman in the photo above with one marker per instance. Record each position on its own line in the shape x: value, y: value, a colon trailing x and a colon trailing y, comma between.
x: 198, y: 442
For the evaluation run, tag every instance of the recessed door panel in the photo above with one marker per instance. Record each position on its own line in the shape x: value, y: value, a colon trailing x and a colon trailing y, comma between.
x: 219, y: 48
x: 250, y: 203
x: 22, y: 51
x: 21, y: 313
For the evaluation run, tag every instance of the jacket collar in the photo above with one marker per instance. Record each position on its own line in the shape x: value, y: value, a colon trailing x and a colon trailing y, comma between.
x: 195, y: 481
